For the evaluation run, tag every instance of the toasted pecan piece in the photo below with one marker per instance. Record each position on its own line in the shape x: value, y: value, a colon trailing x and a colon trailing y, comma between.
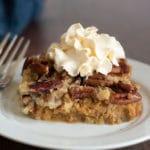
x: 121, y: 87
x: 97, y: 76
x: 123, y: 68
x: 79, y: 92
x: 116, y: 69
x: 41, y: 86
x: 38, y: 65
x: 126, y: 87
x: 98, y: 79
x: 95, y: 82
x: 125, y: 98
x: 39, y: 68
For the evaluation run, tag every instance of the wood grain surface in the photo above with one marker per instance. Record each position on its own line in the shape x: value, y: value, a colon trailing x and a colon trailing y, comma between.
x: 128, y: 20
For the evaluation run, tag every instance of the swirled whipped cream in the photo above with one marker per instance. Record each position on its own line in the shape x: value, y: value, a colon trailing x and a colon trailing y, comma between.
x: 83, y: 51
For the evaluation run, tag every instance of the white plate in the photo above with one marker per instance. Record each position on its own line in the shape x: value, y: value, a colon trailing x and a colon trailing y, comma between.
x: 16, y: 126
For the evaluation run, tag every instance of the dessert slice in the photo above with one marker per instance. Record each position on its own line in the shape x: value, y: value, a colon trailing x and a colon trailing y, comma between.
x: 84, y: 78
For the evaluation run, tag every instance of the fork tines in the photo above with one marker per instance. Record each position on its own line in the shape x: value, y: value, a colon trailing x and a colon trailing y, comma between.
x: 8, y: 51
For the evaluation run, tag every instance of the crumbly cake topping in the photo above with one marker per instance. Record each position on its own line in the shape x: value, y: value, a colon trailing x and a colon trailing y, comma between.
x: 115, y: 86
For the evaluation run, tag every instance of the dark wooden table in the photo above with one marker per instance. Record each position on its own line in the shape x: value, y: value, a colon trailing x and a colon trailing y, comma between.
x: 128, y: 20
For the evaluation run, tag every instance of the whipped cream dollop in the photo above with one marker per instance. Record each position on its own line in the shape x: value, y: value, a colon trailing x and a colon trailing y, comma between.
x: 83, y: 51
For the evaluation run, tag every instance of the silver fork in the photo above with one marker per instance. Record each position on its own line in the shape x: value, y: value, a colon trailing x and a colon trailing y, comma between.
x: 8, y: 69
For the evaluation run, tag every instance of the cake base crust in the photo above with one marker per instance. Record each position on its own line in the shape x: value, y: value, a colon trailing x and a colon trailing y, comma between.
x: 88, y: 112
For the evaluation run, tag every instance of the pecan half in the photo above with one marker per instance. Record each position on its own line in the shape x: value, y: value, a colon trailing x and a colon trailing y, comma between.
x: 98, y: 79
x: 125, y: 98
x: 42, y: 86
x: 38, y: 65
x: 97, y: 76
x: 39, y: 68
x: 124, y: 87
x: 81, y: 92
x: 123, y: 68
x: 121, y: 87
x: 116, y: 69
x: 95, y: 82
